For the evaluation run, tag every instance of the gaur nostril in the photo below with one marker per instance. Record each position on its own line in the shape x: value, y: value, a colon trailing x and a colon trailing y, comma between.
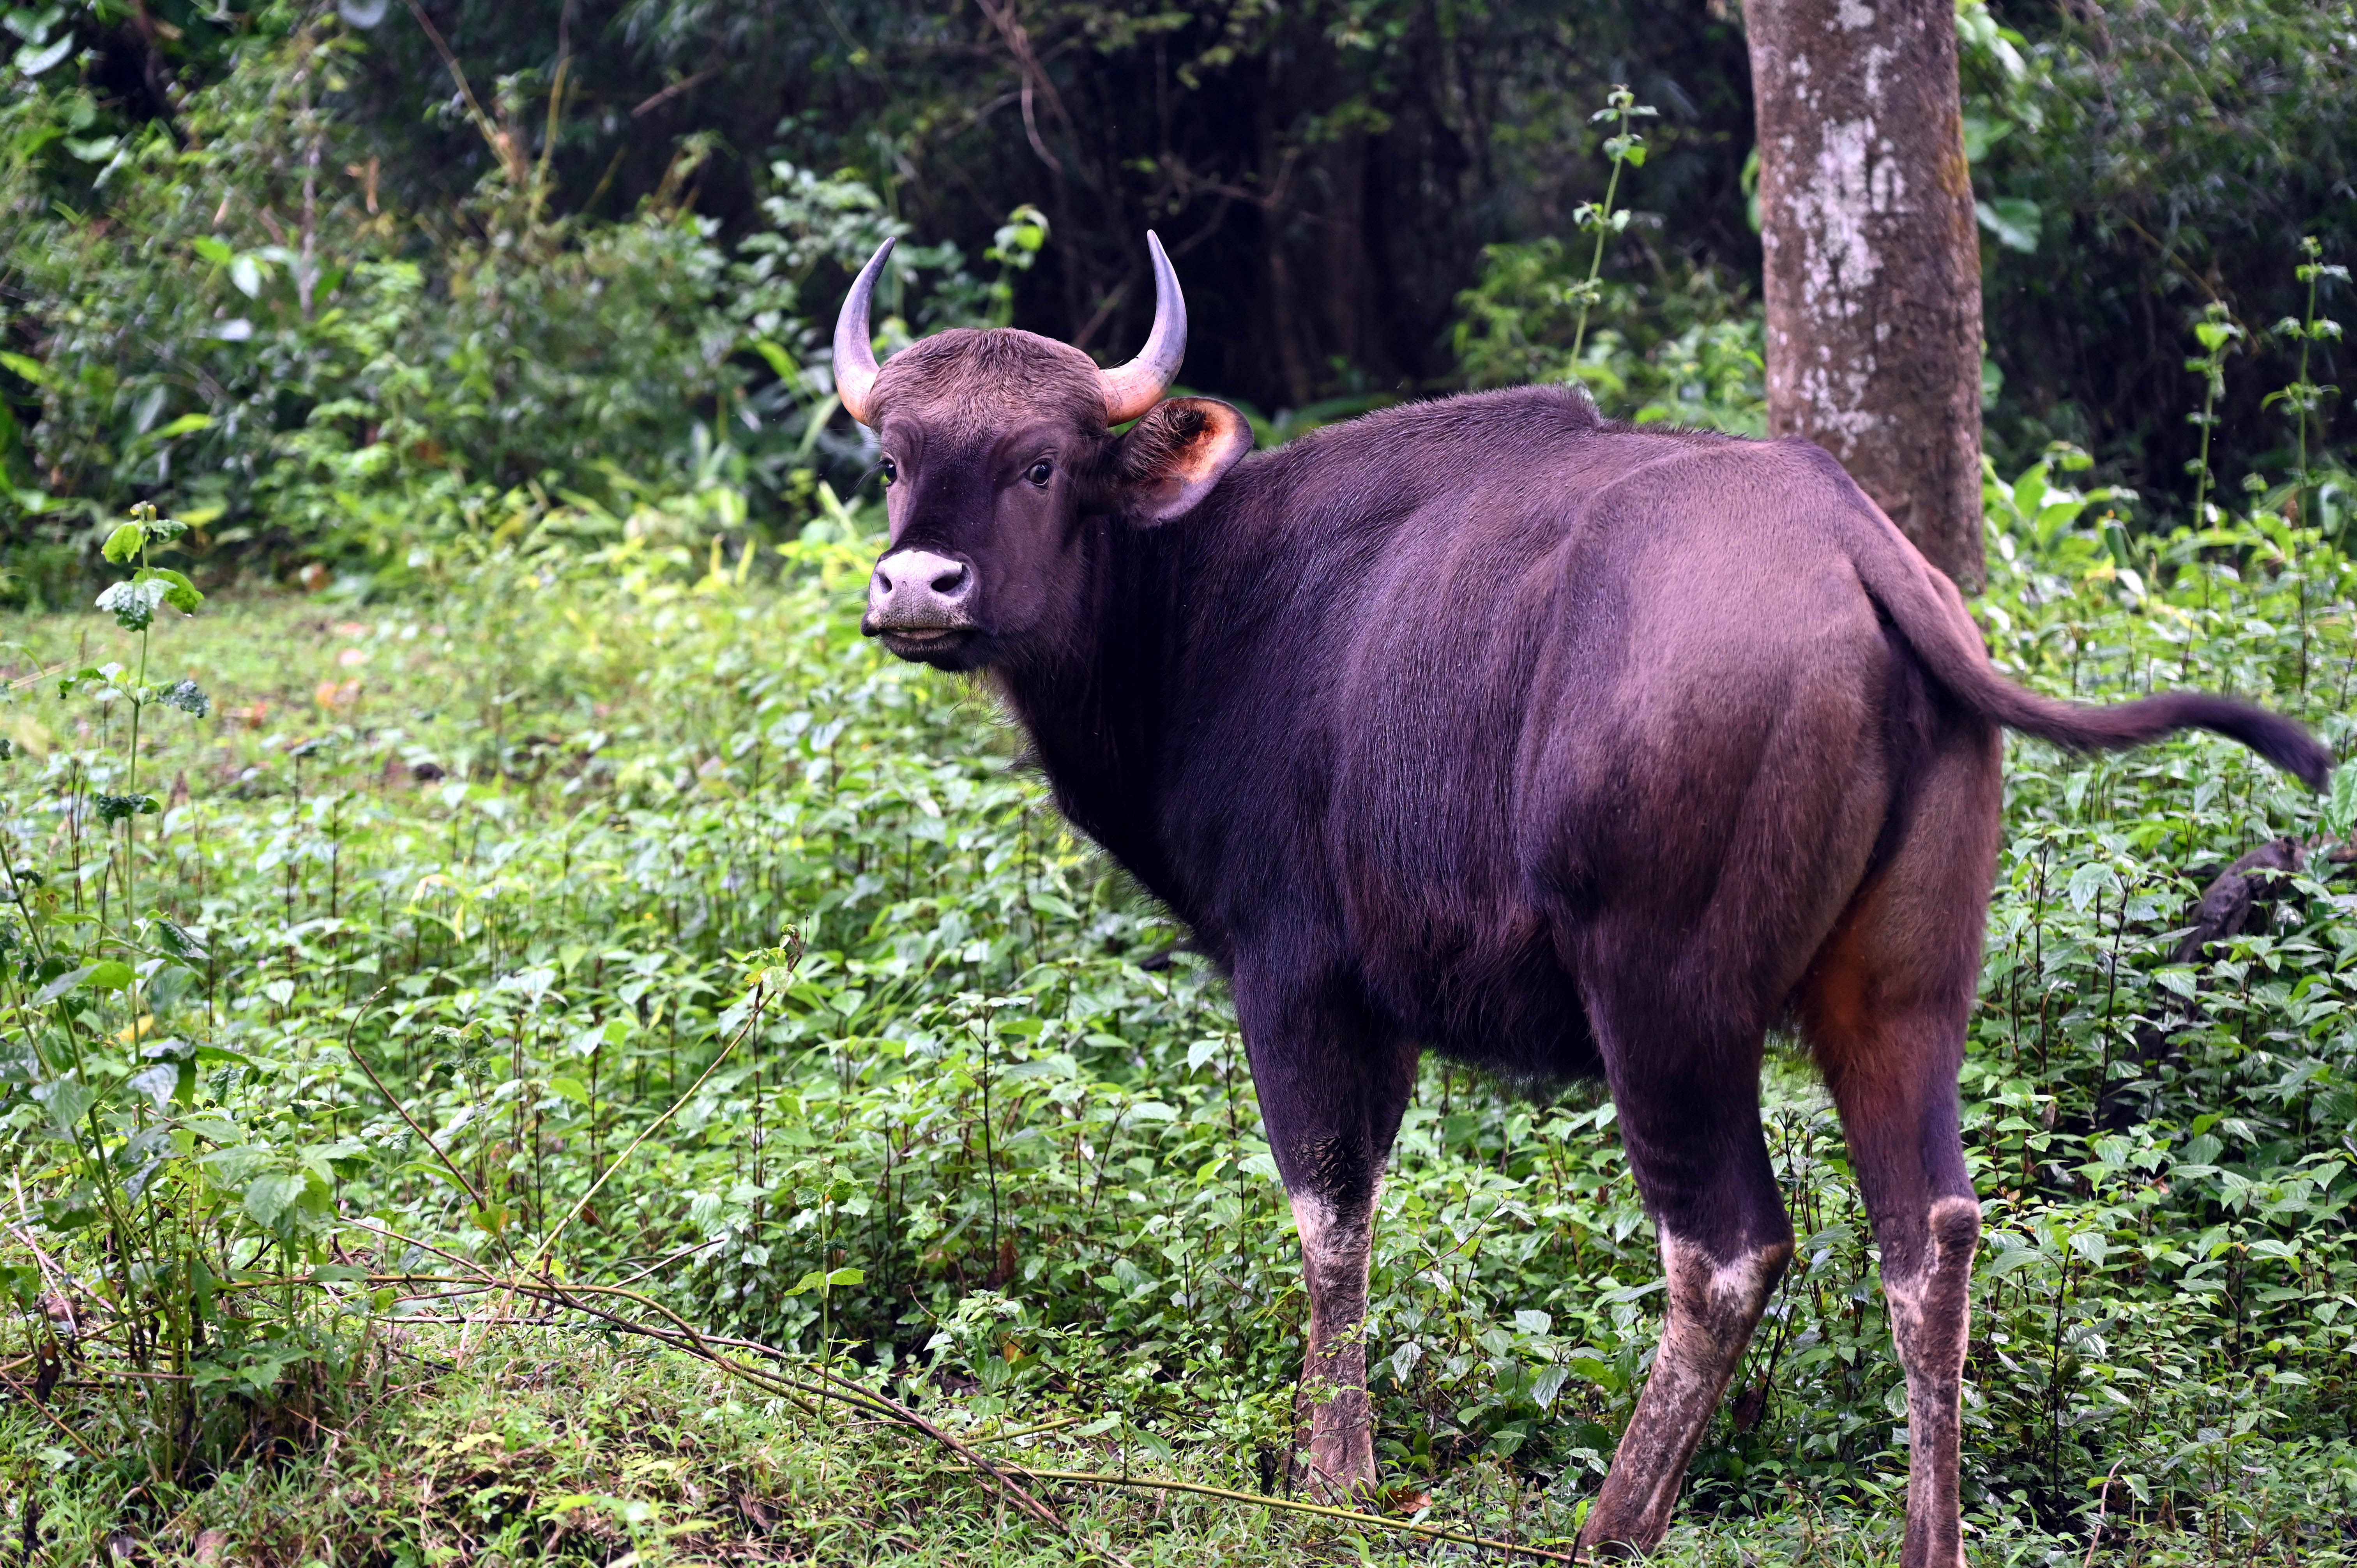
x: 951, y: 580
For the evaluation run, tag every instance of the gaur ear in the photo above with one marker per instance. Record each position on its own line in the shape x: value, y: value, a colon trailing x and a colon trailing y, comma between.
x: 1170, y: 459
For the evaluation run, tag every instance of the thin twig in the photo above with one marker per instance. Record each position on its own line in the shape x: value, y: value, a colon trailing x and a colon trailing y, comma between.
x: 686, y: 84
x: 1431, y: 1531
x: 59, y: 1281
x: 1000, y: 1475
x: 841, y: 1390
x: 760, y: 1001
x: 47, y: 1414
x: 1028, y: 1431
x: 102, y: 1370
x: 463, y: 1261
x: 501, y: 145
x: 2103, y: 1506
x: 662, y: 1263
x: 352, y: 1051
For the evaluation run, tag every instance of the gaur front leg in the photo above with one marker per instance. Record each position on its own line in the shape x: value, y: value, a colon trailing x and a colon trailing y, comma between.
x: 1332, y: 1090
x: 1338, y: 1234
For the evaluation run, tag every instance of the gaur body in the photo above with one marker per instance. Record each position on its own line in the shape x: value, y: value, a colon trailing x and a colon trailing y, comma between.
x: 1488, y: 727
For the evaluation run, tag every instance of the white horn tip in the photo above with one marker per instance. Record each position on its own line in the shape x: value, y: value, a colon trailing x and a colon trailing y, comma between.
x: 1138, y: 385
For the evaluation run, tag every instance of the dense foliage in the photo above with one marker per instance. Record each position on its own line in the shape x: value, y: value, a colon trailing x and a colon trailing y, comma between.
x: 324, y: 276
x: 454, y: 901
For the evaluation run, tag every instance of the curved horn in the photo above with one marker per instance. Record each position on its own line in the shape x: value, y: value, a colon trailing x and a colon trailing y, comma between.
x: 855, y: 349
x: 1138, y: 386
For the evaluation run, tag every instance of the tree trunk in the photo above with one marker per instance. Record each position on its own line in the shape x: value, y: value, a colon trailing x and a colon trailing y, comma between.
x: 1872, y: 261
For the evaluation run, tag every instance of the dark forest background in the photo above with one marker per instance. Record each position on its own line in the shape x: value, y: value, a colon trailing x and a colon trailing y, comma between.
x: 1366, y: 198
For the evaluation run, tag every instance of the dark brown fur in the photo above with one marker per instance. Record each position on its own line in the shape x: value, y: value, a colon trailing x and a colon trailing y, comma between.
x: 1487, y: 726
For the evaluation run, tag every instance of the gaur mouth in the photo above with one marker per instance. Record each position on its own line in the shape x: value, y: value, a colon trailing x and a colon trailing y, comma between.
x: 924, y: 641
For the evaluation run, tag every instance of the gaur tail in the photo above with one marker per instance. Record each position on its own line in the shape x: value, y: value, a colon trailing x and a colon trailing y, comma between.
x: 2082, y: 727
x: 1931, y: 616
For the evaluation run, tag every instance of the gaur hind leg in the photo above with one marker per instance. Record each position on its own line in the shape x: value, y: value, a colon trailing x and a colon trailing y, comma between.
x: 1332, y: 1090
x: 1689, y: 1116
x: 1884, y: 1006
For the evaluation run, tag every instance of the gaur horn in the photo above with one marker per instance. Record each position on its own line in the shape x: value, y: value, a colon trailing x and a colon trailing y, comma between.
x: 855, y: 351
x: 1129, y: 390
x: 1138, y: 386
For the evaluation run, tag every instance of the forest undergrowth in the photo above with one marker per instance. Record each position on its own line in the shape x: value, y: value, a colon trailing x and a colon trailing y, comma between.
x: 428, y: 1030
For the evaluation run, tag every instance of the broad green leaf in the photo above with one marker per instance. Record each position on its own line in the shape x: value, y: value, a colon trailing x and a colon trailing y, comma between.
x: 2090, y: 880
x: 133, y: 603
x: 188, y: 697
x: 34, y: 61
x: 779, y: 362
x: 2340, y: 810
x: 118, y: 808
x: 2009, y: 1259
x: 178, y: 592
x: 158, y: 1083
x: 61, y: 984
x: 270, y: 1195
x: 68, y: 1100
x: 121, y: 546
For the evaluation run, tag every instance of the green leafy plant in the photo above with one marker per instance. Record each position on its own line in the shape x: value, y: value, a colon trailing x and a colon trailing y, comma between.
x: 2303, y: 399
x: 1624, y: 149
x: 2217, y: 333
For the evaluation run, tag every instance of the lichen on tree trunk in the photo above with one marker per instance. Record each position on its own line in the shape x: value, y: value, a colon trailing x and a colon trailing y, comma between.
x: 1872, y: 261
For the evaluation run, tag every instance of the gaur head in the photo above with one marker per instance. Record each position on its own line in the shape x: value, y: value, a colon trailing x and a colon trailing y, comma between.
x: 996, y: 449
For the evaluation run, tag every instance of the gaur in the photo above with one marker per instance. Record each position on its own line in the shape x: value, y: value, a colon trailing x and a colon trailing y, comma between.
x: 1490, y: 726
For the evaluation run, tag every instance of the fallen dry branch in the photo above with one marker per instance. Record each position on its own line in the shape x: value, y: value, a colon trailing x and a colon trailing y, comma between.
x: 1409, y: 1527
x: 681, y: 1335
x: 22, y: 1392
x: 1004, y: 1477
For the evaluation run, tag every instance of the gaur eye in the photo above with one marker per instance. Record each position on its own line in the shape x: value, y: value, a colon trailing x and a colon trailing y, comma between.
x: 891, y: 470
x: 1041, y: 472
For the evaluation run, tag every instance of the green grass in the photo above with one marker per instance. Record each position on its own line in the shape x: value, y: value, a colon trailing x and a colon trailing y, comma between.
x: 518, y: 844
